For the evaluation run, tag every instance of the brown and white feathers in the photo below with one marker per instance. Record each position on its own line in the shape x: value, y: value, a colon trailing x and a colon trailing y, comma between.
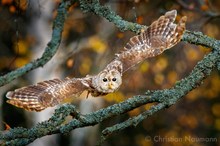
x: 162, y: 34
x: 47, y: 94
x: 108, y: 80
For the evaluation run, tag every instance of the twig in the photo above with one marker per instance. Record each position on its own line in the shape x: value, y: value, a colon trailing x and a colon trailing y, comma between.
x: 104, y: 11
x: 134, y: 121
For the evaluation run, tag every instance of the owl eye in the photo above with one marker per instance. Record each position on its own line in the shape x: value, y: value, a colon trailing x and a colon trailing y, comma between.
x: 114, y: 79
x: 105, y: 80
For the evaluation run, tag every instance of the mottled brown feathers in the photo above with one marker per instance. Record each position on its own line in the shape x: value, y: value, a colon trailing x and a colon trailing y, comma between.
x: 162, y: 34
x: 46, y: 94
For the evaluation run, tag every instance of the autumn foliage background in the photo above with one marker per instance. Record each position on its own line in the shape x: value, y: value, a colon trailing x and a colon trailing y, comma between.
x: 90, y: 42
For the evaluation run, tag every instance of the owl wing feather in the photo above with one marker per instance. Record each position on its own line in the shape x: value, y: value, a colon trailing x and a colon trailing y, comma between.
x: 162, y: 34
x: 47, y: 93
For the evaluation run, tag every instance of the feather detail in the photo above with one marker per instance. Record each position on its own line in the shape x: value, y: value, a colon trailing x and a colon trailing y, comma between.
x: 46, y: 94
x: 162, y: 34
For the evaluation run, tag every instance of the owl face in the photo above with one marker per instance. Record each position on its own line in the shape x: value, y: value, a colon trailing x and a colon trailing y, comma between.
x: 107, y: 81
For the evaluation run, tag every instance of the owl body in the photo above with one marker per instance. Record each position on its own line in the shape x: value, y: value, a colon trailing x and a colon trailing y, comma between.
x: 162, y: 34
x: 109, y: 80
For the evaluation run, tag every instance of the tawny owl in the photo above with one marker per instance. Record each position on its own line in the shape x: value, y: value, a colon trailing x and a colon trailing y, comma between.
x: 162, y: 34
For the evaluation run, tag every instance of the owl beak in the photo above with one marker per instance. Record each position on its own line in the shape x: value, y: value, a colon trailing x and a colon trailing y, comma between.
x: 110, y: 86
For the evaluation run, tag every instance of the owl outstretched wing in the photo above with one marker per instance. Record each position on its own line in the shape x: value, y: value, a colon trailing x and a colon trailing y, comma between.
x: 48, y: 93
x: 162, y: 34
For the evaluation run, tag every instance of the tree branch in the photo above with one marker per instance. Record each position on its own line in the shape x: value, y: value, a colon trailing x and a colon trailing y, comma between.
x: 50, y: 50
x: 134, y: 121
x: 161, y: 98
x: 104, y: 11
x: 166, y: 98
x: 169, y: 97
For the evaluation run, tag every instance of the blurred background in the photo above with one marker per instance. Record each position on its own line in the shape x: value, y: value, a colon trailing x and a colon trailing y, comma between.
x: 89, y: 42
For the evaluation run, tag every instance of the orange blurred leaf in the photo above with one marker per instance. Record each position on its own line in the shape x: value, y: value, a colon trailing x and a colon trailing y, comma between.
x: 192, y: 54
x: 22, y: 4
x: 12, y: 9
x: 22, y: 47
x: 7, y: 127
x: 70, y: 63
x: 134, y: 112
x: 120, y: 35
x: 4, y: 2
x: 216, y: 109
x: 204, y: 7
x: 19, y: 62
x: 140, y: 19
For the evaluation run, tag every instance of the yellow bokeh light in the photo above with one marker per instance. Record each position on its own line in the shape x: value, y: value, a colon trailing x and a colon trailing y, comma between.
x: 21, y: 47
x: 217, y: 124
x: 114, y: 97
x: 85, y: 66
x: 97, y: 44
x: 144, y: 67
x: 159, y: 78
x: 172, y: 77
x: 21, y: 62
x: 192, y: 54
x: 160, y: 65
x: 216, y: 109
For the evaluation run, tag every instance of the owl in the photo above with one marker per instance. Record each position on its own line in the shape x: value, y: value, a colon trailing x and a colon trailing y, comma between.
x: 162, y: 34
x: 52, y: 92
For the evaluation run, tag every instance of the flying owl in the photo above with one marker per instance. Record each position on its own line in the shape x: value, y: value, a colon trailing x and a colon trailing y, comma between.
x: 162, y: 34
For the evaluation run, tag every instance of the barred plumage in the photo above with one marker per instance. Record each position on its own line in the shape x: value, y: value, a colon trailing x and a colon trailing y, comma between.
x: 46, y: 94
x: 162, y: 34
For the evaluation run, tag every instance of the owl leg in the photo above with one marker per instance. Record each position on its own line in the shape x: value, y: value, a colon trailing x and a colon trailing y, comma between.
x: 88, y: 94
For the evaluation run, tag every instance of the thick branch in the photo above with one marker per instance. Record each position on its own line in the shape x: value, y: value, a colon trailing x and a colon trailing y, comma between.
x: 104, y: 11
x: 170, y: 97
x: 166, y: 97
x: 50, y: 50
x: 192, y: 37
x: 134, y: 121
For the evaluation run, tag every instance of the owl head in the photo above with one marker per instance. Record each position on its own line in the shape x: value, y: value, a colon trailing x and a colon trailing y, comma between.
x: 107, y: 81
